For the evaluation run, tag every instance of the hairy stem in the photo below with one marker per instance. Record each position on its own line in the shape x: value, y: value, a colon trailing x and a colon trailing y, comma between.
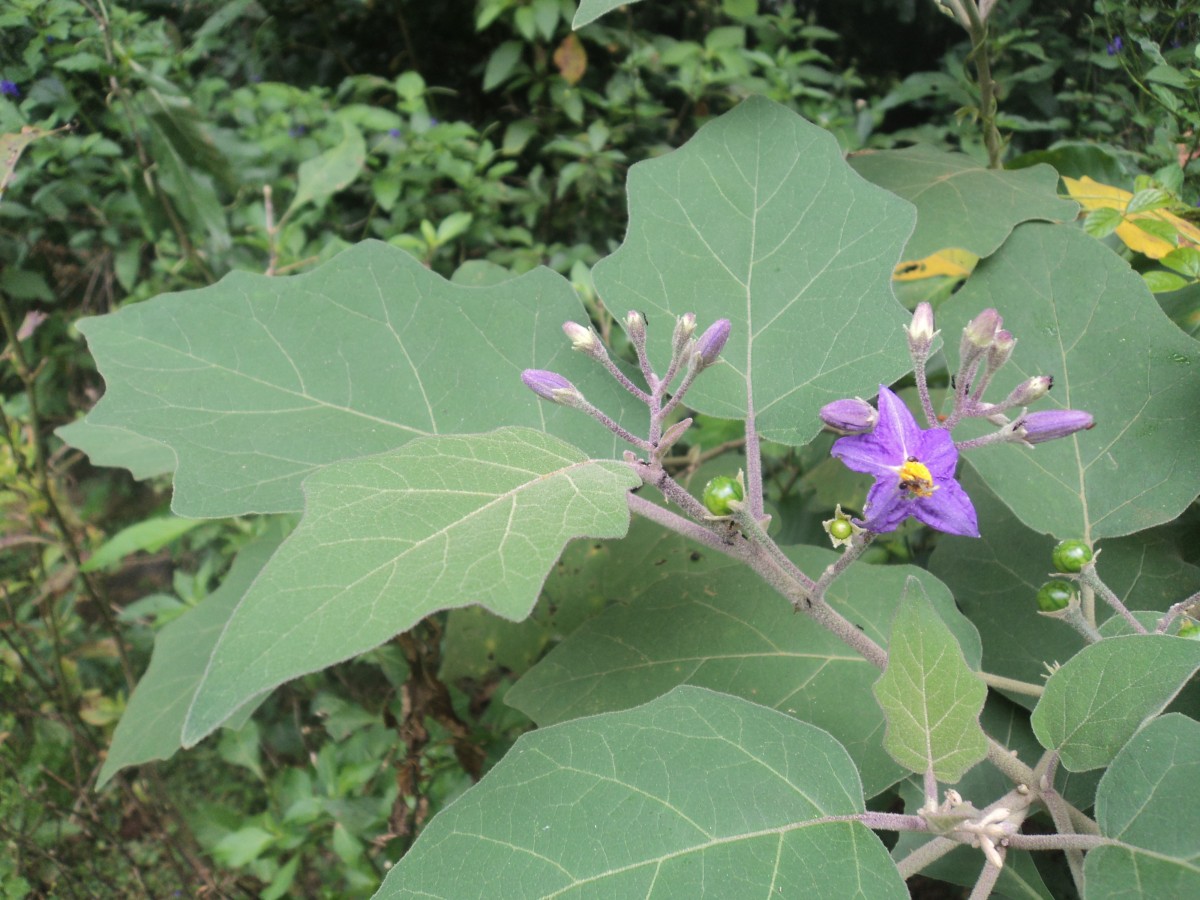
x: 1012, y: 684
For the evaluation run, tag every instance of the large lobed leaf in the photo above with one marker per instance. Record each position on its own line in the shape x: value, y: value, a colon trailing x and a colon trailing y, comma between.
x: 1083, y: 316
x: 960, y: 203
x: 440, y: 523
x: 759, y: 220
x: 255, y: 382
x: 695, y: 794
x: 152, y: 722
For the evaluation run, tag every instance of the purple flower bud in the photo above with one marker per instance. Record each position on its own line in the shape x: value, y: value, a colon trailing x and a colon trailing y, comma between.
x: 582, y: 339
x: 981, y: 330
x: 1115, y: 46
x: 550, y: 386
x: 850, y: 416
x: 1050, y: 424
x: 920, y: 330
x: 9, y: 88
x: 709, y: 347
x: 1029, y: 390
x: 1001, y: 349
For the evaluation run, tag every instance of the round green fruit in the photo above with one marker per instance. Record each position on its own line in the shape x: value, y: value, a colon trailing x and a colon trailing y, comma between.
x: 1071, y: 556
x: 720, y: 493
x: 1055, y: 595
x: 840, y: 529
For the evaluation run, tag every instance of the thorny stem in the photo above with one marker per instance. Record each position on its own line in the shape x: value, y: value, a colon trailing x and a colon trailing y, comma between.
x: 622, y: 380
x: 924, y: 856
x: 858, y: 546
x: 752, y: 528
x: 1057, y: 808
x: 1089, y: 578
x: 987, y: 879
x: 625, y: 435
x: 981, y: 55
x: 923, y: 389
x: 1175, y: 612
x: 1074, y: 616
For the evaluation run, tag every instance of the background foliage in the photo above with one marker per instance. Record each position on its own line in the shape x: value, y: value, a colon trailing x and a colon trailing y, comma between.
x: 171, y: 145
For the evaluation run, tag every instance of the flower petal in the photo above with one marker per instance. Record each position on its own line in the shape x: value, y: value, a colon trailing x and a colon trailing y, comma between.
x: 935, y: 448
x: 896, y: 429
x: 949, y: 510
x: 887, y: 505
x: 866, y: 453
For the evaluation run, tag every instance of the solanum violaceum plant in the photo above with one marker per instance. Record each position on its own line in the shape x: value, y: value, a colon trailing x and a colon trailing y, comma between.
x: 696, y: 732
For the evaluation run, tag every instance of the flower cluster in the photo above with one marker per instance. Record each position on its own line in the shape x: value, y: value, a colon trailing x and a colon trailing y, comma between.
x: 689, y: 355
x: 914, y: 467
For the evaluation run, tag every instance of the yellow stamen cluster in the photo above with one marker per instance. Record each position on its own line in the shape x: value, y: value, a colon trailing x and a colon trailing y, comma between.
x: 915, y: 478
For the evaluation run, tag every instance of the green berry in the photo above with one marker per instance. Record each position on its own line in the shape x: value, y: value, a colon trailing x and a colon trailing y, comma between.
x: 1071, y: 556
x: 1055, y: 595
x: 720, y: 493
x: 840, y: 529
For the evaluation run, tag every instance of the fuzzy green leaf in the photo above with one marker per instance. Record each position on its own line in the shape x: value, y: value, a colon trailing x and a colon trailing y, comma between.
x: 759, y: 220
x: 694, y: 792
x: 1081, y: 315
x: 1149, y: 801
x: 929, y: 695
x: 386, y: 540
x: 959, y: 202
x: 1101, y: 696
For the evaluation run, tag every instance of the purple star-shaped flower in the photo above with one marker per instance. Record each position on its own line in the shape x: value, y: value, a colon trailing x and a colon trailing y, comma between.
x: 913, y: 469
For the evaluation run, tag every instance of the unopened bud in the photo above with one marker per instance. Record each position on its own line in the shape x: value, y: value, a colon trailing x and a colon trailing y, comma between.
x: 635, y: 326
x: 551, y: 386
x: 685, y: 326
x: 710, y: 344
x: 920, y: 331
x: 980, y: 332
x: 582, y: 339
x: 850, y: 416
x: 1029, y: 390
x: 671, y: 435
x: 1051, y: 424
x: 1001, y: 349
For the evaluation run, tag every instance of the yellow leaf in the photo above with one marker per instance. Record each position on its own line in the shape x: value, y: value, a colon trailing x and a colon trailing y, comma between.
x: 952, y: 262
x: 571, y: 59
x: 1094, y: 195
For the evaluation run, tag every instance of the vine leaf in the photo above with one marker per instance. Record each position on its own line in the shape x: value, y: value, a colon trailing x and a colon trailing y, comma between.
x: 691, y: 790
x: 930, y: 697
x: 440, y: 523
x: 759, y: 220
